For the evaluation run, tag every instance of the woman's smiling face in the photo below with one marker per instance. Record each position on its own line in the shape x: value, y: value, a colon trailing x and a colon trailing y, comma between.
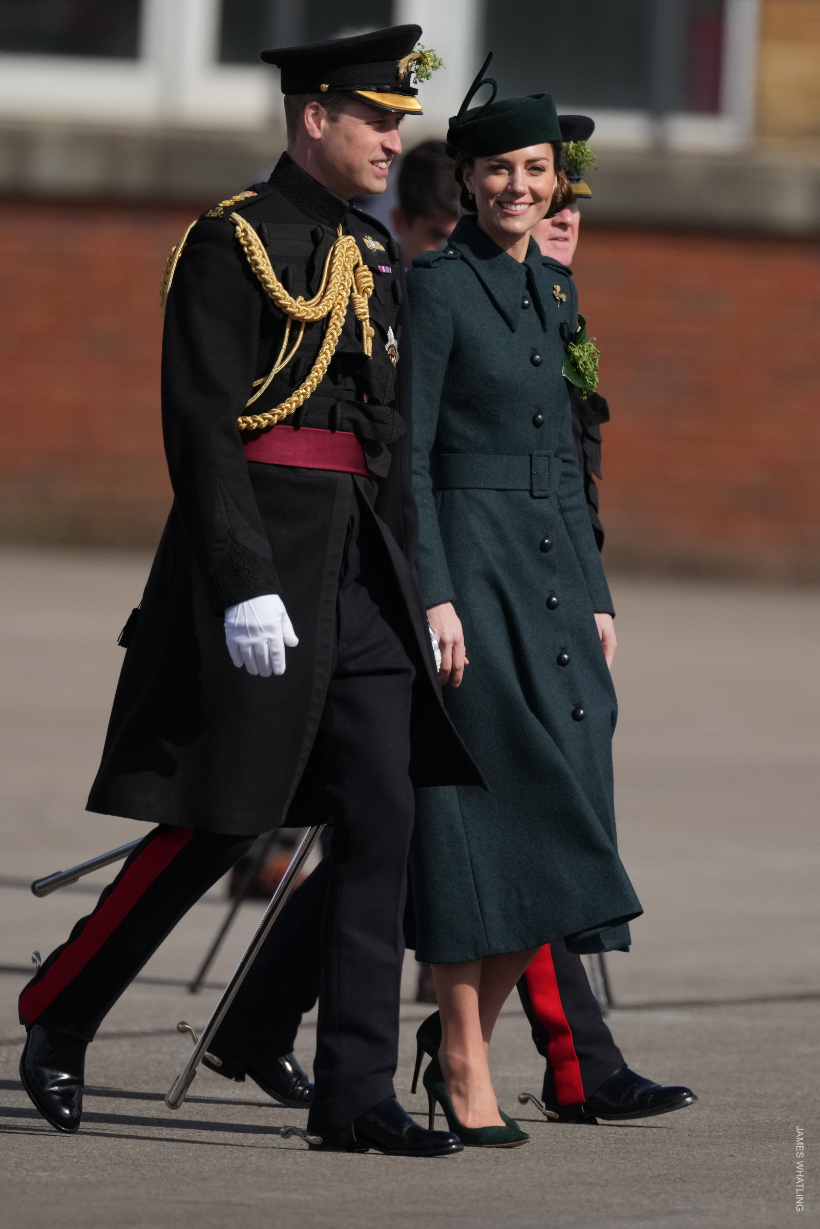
x: 512, y: 191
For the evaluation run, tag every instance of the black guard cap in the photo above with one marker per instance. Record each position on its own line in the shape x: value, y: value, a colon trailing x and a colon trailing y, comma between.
x: 369, y: 66
x: 577, y: 128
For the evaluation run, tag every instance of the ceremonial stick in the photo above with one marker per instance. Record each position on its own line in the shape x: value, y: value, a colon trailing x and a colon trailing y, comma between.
x: 50, y: 883
x: 178, y: 1090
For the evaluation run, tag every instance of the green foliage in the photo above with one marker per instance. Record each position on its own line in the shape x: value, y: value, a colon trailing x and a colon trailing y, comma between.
x: 581, y: 361
x: 577, y: 158
x: 427, y: 64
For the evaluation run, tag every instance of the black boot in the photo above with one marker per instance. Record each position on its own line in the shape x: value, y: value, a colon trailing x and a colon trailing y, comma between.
x: 625, y: 1094
x: 387, y: 1128
x: 281, y: 1078
x: 52, y: 1069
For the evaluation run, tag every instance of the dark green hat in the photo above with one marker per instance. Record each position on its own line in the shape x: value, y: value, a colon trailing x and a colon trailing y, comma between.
x: 513, y: 123
x: 376, y: 67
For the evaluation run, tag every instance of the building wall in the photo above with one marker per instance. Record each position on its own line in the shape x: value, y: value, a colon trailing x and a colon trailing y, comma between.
x: 789, y: 69
x: 709, y: 363
x: 80, y: 443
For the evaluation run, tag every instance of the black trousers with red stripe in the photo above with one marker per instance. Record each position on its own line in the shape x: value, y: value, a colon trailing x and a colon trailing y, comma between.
x: 360, y: 765
x: 567, y: 1026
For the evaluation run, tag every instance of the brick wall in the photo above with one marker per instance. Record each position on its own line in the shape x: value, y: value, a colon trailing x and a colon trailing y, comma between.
x: 80, y: 444
x: 709, y: 362
x: 711, y: 365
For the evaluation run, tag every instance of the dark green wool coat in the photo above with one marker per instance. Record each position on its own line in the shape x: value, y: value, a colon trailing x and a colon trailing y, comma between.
x: 504, y: 534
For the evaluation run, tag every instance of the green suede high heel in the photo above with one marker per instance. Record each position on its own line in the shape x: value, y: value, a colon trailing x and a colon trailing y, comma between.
x: 509, y: 1136
x: 428, y: 1041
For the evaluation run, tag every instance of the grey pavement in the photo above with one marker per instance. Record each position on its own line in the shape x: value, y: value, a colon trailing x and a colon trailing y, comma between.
x: 717, y: 772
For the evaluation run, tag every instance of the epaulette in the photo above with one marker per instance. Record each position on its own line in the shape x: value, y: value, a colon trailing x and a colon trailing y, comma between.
x: 429, y: 260
x: 217, y: 211
x: 237, y: 202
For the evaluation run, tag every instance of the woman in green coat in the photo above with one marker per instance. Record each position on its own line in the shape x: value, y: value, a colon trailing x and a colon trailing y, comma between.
x: 508, y: 565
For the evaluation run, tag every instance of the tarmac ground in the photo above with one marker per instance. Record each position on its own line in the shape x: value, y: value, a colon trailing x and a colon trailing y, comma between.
x: 718, y: 779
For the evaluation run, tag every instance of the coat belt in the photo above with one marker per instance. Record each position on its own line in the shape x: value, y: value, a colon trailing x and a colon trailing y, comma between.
x: 537, y: 472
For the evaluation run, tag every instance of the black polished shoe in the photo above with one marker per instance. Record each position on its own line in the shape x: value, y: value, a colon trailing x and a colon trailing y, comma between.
x: 281, y: 1078
x: 388, y: 1128
x: 52, y: 1069
x: 577, y: 1115
x: 625, y: 1094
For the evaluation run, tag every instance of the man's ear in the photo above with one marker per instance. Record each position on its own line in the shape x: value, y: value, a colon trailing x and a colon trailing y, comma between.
x: 314, y: 118
x: 398, y: 221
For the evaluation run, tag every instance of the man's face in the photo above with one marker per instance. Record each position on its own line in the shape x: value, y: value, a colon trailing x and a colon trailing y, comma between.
x: 424, y: 234
x: 557, y: 237
x: 353, y: 152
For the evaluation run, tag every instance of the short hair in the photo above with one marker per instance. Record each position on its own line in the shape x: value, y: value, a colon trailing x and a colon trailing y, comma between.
x: 333, y: 102
x: 427, y: 185
x: 564, y: 194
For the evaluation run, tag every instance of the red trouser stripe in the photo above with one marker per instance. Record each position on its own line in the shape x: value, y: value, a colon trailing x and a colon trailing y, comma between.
x: 546, y: 1001
x: 104, y: 921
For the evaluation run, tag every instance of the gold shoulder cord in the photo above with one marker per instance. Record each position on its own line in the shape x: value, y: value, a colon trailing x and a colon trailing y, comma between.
x: 171, y: 267
x: 345, y: 278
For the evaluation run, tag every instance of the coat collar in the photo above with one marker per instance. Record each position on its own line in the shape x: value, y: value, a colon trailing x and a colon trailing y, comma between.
x: 308, y: 194
x: 502, y: 276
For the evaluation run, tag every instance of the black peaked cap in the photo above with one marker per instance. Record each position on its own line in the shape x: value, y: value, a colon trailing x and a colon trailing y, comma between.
x: 576, y: 127
x: 366, y: 65
x: 496, y: 127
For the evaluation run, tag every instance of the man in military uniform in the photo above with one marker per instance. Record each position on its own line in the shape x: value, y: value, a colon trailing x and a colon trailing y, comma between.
x: 287, y: 432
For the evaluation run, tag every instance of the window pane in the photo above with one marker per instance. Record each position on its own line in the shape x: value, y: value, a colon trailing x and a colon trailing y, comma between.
x: 597, y: 53
x: 71, y: 27
x: 250, y: 25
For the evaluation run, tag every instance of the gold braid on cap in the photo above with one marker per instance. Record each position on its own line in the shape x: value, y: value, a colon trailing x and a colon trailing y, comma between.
x: 345, y: 278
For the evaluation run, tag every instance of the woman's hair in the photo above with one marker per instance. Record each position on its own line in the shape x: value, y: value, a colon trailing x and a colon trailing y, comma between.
x: 563, y: 188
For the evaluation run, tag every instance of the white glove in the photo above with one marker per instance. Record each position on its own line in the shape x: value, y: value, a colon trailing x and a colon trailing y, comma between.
x: 256, y: 633
x: 436, y: 649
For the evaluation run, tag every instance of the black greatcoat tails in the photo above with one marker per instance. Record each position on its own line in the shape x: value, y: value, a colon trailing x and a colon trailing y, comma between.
x: 192, y: 740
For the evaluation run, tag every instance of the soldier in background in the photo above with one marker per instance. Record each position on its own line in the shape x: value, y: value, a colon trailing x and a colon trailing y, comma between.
x: 586, y: 1077
x: 428, y: 206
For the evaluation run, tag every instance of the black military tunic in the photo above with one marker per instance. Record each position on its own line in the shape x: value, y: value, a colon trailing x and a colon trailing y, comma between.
x: 192, y: 740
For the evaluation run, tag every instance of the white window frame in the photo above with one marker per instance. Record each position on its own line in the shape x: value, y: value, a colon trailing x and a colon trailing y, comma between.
x: 732, y: 128
x: 178, y: 81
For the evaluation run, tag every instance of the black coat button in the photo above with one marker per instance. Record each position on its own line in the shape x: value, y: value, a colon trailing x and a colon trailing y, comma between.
x: 538, y: 419
x: 578, y: 713
x: 552, y: 602
x: 536, y: 359
x: 563, y: 659
x: 546, y: 544
x: 525, y: 302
